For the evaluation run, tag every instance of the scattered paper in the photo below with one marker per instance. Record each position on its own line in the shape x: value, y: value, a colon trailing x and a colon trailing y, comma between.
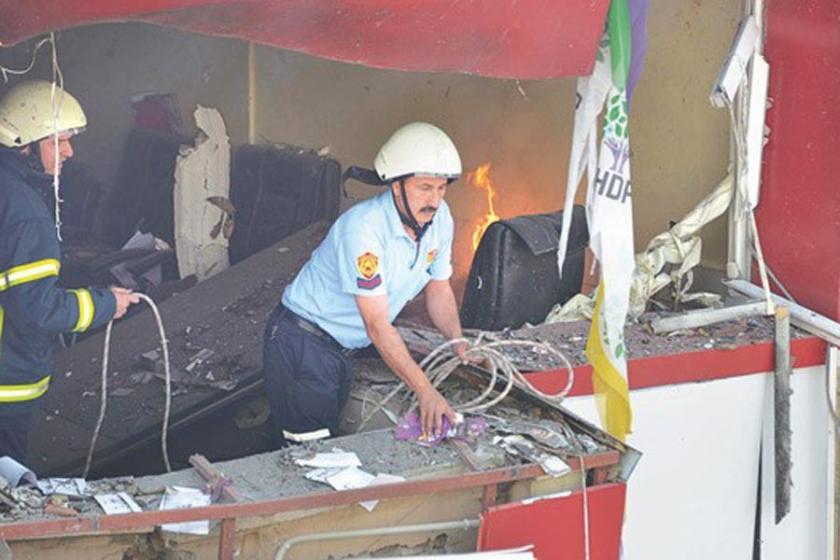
x: 70, y: 487
x: 117, y: 503
x: 381, y: 478
x: 179, y: 497
x: 350, y: 478
x: 14, y: 472
x: 331, y: 460
x: 321, y: 475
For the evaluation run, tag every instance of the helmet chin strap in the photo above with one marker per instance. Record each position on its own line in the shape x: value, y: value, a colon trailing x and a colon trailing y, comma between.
x: 407, y: 217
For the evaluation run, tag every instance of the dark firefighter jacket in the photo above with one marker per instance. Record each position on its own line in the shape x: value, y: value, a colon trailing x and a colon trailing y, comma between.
x: 33, y: 308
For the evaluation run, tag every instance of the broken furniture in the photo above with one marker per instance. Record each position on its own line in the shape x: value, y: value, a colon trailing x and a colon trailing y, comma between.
x: 513, y: 278
x: 278, y: 190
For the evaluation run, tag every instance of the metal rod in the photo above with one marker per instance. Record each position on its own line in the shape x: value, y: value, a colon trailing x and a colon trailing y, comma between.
x: 782, y: 432
x: 464, y: 524
x: 703, y: 317
x: 801, y: 316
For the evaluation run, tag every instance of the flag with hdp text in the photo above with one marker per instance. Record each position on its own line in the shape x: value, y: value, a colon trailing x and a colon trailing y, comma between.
x: 609, y: 207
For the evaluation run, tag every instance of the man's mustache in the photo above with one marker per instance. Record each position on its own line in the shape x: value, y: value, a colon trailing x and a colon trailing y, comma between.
x: 428, y: 210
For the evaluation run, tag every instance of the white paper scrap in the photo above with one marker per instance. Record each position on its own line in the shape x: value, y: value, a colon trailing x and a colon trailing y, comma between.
x: 381, y: 478
x: 180, y: 497
x: 14, y: 472
x: 331, y: 460
x: 117, y: 503
x: 71, y: 487
x: 350, y: 479
x: 321, y: 475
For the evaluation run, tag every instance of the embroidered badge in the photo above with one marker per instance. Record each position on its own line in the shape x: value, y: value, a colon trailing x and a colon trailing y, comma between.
x: 431, y: 256
x: 368, y: 265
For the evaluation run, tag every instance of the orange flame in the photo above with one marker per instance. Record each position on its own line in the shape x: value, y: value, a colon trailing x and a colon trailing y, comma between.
x: 480, y: 179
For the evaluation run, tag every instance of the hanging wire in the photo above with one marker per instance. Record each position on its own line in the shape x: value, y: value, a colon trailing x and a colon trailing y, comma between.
x: 57, y: 79
x: 5, y: 71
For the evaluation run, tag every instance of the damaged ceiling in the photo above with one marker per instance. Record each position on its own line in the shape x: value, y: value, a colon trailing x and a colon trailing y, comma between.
x: 527, y: 39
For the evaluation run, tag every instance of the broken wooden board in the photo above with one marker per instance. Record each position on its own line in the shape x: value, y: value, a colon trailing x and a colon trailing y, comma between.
x: 226, y: 314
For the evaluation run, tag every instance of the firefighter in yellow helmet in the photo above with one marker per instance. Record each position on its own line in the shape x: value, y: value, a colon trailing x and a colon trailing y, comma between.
x: 37, y: 122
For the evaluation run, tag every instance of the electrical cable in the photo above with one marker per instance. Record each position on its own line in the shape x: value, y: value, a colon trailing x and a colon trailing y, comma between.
x: 6, y: 71
x: 57, y: 79
x: 103, y: 399
x: 442, y: 362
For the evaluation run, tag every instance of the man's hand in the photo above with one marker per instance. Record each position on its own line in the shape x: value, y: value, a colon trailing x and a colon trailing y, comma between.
x: 460, y: 350
x: 124, y: 299
x: 433, y: 407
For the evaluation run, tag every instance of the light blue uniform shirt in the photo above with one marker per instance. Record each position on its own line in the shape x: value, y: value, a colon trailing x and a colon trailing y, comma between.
x: 367, y: 252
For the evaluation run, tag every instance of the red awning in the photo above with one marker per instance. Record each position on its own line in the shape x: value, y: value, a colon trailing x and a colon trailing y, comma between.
x: 528, y: 39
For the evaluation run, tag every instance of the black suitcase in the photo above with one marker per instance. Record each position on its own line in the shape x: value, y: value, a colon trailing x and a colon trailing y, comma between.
x: 513, y: 278
x: 278, y: 191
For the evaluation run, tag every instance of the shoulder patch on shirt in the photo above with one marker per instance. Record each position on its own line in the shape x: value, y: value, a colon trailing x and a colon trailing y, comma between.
x: 431, y: 256
x: 368, y: 265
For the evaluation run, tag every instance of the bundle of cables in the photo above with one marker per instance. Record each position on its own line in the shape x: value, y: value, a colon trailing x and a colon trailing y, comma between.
x: 491, y: 355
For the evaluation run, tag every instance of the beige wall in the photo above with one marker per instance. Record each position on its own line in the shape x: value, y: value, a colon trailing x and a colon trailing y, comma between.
x: 680, y: 143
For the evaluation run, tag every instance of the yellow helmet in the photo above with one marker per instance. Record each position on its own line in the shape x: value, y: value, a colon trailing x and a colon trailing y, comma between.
x: 27, y: 113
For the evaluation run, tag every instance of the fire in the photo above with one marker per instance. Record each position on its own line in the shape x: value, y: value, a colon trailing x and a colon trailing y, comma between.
x: 480, y: 179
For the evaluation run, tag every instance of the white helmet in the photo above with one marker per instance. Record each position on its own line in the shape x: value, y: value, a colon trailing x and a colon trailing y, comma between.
x: 27, y: 113
x: 418, y: 149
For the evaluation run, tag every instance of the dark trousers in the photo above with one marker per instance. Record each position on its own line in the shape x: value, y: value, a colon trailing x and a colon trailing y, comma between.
x: 307, y: 377
x: 14, y: 435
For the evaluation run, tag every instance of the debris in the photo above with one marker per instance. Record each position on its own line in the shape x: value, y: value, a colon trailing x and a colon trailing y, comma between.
x: 122, y: 392
x: 202, y: 209
x: 120, y: 502
x: 59, y: 510
x: 332, y: 460
x: 74, y: 487
x: 180, y: 497
x: 151, y: 358
x: 350, y: 479
x: 13, y: 472
x: 142, y: 377
x: 540, y: 433
x: 217, y: 482
x: 517, y: 445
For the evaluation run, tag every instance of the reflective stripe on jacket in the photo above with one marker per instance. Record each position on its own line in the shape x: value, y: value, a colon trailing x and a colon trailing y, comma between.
x: 34, y: 309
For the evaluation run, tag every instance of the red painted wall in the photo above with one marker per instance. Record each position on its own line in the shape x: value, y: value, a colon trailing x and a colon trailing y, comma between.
x: 799, y: 212
x: 555, y: 526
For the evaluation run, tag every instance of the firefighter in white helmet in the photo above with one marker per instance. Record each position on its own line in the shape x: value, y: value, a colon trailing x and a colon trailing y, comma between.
x: 34, y: 117
x: 377, y: 256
